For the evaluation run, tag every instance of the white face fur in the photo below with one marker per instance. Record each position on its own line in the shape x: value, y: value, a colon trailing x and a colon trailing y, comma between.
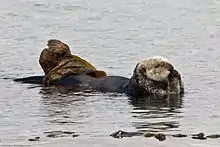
x: 158, y: 69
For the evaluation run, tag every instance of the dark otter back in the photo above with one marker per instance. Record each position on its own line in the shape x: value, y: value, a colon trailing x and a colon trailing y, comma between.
x: 73, y: 80
x: 110, y: 84
x: 105, y: 84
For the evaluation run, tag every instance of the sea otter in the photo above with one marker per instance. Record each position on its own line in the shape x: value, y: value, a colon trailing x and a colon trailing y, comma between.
x: 154, y: 75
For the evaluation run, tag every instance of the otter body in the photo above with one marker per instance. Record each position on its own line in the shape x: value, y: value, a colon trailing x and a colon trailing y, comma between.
x: 106, y: 84
x: 117, y: 84
x: 153, y: 75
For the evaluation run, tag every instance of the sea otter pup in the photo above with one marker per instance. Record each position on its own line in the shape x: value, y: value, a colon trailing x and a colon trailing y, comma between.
x: 57, y: 61
x: 154, y: 75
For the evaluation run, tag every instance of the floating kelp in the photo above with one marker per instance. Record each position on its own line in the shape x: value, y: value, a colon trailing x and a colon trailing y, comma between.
x: 70, y: 66
x: 57, y: 61
x: 147, y: 135
x: 56, y: 134
x: 121, y: 134
x: 200, y: 136
x: 179, y: 135
x: 161, y: 136
x: 214, y: 136
x: 34, y: 139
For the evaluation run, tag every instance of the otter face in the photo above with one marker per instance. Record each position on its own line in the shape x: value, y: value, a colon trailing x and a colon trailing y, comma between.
x: 157, y: 75
x: 154, y: 68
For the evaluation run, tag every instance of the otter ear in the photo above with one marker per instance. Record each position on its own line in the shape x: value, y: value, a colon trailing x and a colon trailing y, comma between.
x: 96, y: 73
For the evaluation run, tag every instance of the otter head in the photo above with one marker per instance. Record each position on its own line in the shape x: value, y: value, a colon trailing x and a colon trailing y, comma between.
x: 152, y: 74
x: 157, y: 75
x: 154, y: 68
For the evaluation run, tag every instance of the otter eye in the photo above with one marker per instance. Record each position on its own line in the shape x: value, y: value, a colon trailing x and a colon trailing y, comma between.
x: 143, y: 70
x: 157, y: 66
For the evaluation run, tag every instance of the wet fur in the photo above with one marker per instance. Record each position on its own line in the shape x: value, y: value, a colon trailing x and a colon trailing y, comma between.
x: 175, y: 82
x: 155, y: 75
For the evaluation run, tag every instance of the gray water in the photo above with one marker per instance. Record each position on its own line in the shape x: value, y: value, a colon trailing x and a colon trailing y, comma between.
x: 113, y: 36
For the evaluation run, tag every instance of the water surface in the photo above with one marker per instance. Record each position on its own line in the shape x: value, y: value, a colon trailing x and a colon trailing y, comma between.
x: 113, y: 36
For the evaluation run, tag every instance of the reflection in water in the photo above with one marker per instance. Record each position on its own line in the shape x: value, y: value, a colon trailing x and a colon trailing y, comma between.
x: 60, y: 104
x: 60, y: 96
x: 157, y: 114
x: 66, y: 106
